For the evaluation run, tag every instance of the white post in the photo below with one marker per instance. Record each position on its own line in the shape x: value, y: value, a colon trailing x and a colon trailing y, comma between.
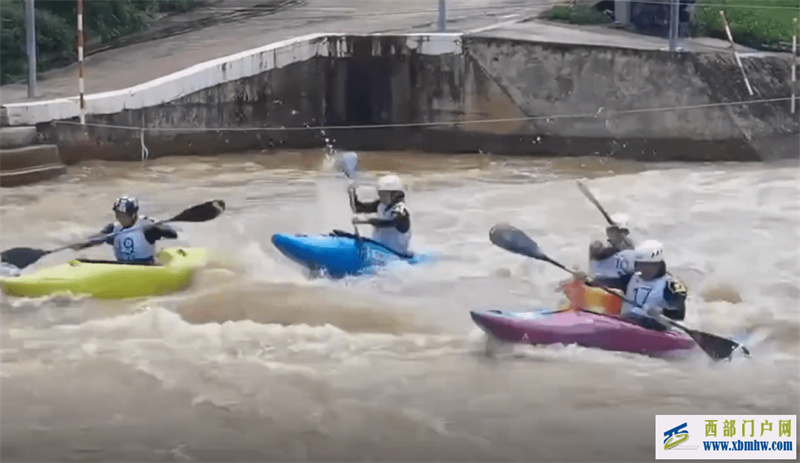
x: 80, y: 62
x: 735, y: 53
x: 794, y: 64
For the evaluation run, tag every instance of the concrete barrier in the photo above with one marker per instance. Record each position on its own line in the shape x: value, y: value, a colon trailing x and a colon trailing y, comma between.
x: 437, y: 92
x: 30, y: 164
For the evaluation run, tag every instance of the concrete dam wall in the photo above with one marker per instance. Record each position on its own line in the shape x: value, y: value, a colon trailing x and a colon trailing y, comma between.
x: 444, y: 93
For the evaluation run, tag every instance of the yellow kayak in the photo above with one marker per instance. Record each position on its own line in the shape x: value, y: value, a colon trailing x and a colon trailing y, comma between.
x: 111, y: 280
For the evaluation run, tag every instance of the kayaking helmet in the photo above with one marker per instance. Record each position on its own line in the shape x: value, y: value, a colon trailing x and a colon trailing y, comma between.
x: 390, y: 190
x: 127, y: 205
x: 622, y: 221
x: 650, y: 251
x: 390, y: 183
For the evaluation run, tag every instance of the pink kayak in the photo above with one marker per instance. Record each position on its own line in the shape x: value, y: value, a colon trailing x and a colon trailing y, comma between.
x: 585, y: 329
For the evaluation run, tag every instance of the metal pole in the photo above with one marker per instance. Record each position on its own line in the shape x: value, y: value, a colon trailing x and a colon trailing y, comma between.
x: 80, y: 62
x: 673, y: 25
x: 30, y: 29
x: 442, y: 16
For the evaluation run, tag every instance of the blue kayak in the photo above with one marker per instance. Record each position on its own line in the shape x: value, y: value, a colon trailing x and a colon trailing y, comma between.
x: 340, y: 254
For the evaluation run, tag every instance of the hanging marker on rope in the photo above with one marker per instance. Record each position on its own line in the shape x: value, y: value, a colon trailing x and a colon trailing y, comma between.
x: 145, y: 151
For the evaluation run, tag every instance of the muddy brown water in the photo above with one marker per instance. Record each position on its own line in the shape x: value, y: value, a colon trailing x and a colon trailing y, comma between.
x: 258, y: 363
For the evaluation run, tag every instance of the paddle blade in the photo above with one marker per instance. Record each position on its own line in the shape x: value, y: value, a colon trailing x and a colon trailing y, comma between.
x: 349, y: 163
x: 716, y: 347
x: 201, y: 213
x: 515, y: 240
x: 22, y: 257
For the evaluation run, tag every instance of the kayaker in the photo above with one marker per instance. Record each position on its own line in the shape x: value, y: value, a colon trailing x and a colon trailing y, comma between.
x: 611, y: 262
x: 658, y: 292
x: 393, y: 220
x: 135, y: 242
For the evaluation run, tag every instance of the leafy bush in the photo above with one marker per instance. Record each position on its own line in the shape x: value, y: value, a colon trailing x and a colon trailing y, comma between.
x: 576, y: 15
x: 56, y: 26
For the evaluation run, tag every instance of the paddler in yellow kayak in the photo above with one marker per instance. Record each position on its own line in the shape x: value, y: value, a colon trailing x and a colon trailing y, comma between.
x: 135, y: 236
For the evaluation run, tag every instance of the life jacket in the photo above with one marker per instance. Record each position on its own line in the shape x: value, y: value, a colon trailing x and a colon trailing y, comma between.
x: 391, y: 237
x: 130, y: 245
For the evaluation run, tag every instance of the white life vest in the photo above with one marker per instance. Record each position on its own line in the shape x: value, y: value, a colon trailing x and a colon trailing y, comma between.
x: 618, y: 265
x: 390, y: 236
x: 130, y: 245
x: 646, y: 293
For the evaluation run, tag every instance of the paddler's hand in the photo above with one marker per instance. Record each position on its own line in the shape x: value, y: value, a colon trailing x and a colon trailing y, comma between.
x: 579, y: 275
x: 653, y: 311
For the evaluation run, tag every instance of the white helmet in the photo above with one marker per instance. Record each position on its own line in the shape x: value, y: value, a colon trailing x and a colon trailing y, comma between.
x: 390, y: 183
x: 650, y: 251
x: 622, y: 220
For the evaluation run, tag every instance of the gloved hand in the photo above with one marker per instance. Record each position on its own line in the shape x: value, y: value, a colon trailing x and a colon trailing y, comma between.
x: 653, y: 311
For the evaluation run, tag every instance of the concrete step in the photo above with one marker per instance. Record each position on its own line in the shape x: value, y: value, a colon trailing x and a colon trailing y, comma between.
x: 30, y: 164
x: 18, y: 137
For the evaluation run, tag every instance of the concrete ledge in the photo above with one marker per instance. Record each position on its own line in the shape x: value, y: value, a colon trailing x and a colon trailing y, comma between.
x: 17, y: 137
x: 439, y: 92
x: 31, y: 164
x: 209, y: 74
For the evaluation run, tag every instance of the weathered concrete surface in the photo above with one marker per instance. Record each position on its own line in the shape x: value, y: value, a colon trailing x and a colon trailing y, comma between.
x: 31, y: 164
x: 448, y: 93
x: 631, y: 93
x: 17, y: 137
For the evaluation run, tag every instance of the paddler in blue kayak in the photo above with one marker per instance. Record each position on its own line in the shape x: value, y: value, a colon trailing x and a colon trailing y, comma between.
x: 611, y: 264
x: 136, y: 236
x: 393, y: 220
x: 655, y: 290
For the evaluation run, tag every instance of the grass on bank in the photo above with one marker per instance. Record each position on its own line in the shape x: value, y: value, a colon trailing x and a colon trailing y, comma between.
x: 576, y: 15
x: 760, y: 24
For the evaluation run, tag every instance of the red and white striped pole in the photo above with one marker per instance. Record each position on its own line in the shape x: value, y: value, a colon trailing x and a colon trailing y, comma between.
x: 80, y: 60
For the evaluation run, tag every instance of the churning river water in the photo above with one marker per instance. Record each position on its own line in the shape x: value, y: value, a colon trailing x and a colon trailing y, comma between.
x: 258, y: 363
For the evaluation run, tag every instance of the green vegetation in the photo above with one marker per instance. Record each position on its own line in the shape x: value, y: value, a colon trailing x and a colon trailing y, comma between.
x: 761, y: 24
x: 576, y: 15
x: 56, y: 23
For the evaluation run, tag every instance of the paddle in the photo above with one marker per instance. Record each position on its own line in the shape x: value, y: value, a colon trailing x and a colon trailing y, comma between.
x: 22, y: 257
x: 349, y: 165
x: 585, y: 190
x: 514, y: 240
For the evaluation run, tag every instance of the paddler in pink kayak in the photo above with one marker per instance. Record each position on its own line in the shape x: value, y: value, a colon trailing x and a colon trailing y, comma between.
x: 655, y: 290
x: 611, y: 264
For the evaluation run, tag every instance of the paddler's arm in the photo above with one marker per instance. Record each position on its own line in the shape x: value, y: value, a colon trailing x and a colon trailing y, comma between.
x: 675, y: 296
x: 600, y: 251
x: 97, y: 239
x: 364, y: 208
x: 400, y: 219
x: 154, y: 233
